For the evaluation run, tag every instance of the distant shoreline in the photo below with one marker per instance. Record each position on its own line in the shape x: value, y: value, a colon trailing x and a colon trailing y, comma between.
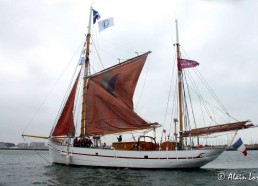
x: 23, y: 149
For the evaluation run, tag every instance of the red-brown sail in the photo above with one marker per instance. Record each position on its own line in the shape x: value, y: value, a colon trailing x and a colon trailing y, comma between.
x: 65, y: 124
x: 109, y: 99
x: 217, y: 128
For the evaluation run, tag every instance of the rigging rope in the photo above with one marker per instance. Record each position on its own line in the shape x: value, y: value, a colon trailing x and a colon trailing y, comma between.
x: 78, y: 100
x: 97, y: 54
x: 190, y: 99
x: 185, y: 108
x: 143, y: 83
x: 169, y: 94
x: 65, y: 98
x: 210, y: 90
x: 199, y: 75
x: 38, y: 152
x: 170, y: 87
x: 108, y: 45
x: 52, y: 88
x: 203, y: 102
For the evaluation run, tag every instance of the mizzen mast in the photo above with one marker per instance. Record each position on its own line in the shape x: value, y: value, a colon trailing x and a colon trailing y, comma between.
x: 180, y: 101
x: 85, y: 78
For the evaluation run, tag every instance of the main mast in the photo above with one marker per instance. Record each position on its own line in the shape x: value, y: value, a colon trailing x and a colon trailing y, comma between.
x: 85, y: 78
x: 180, y: 100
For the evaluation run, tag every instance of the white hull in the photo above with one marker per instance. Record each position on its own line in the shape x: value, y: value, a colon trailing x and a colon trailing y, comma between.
x: 132, y: 159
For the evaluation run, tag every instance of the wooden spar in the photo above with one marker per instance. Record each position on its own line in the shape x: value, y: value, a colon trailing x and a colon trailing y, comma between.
x: 33, y: 136
x: 85, y: 78
x: 179, y: 87
x: 217, y: 128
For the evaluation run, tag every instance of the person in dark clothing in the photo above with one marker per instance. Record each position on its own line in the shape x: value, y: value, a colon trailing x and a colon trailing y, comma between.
x: 104, y: 145
x: 83, y: 143
x: 79, y: 142
x: 119, y: 138
x: 89, y: 143
x: 76, y: 142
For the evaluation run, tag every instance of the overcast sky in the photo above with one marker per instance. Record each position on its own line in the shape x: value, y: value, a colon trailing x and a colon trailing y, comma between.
x: 40, y: 38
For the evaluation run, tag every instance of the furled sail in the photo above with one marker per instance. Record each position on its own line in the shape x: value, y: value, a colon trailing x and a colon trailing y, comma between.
x: 65, y: 123
x: 217, y: 128
x: 110, y: 99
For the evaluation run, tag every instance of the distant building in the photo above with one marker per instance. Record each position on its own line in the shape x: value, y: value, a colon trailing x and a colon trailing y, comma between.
x: 23, y: 145
x: 2, y: 145
x: 6, y: 145
x: 37, y: 145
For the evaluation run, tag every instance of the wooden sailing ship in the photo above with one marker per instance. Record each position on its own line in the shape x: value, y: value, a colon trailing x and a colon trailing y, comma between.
x: 107, y: 108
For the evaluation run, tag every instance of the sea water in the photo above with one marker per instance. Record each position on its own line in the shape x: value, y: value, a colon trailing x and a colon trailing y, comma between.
x: 20, y: 167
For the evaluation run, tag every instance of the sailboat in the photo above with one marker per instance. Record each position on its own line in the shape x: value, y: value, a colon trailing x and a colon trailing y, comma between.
x: 107, y: 108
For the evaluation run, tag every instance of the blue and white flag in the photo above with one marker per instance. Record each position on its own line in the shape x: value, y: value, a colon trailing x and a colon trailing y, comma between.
x: 106, y: 23
x: 96, y: 16
x: 82, y: 56
x: 240, y: 146
x: 82, y: 60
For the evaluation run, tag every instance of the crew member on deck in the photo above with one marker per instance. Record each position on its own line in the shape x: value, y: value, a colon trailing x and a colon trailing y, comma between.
x: 76, y: 142
x: 104, y: 145
x: 83, y: 142
x: 119, y: 138
x: 88, y: 143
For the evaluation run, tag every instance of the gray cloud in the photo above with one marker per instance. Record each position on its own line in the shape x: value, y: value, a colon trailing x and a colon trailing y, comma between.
x: 38, y: 39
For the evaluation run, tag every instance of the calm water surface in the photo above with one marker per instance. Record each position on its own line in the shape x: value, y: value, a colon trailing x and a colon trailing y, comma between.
x: 29, y: 168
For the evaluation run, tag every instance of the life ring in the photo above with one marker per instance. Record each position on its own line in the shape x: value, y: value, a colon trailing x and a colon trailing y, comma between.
x: 143, y: 146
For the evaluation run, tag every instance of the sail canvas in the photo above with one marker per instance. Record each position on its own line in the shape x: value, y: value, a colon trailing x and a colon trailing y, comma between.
x: 65, y: 123
x: 109, y: 99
